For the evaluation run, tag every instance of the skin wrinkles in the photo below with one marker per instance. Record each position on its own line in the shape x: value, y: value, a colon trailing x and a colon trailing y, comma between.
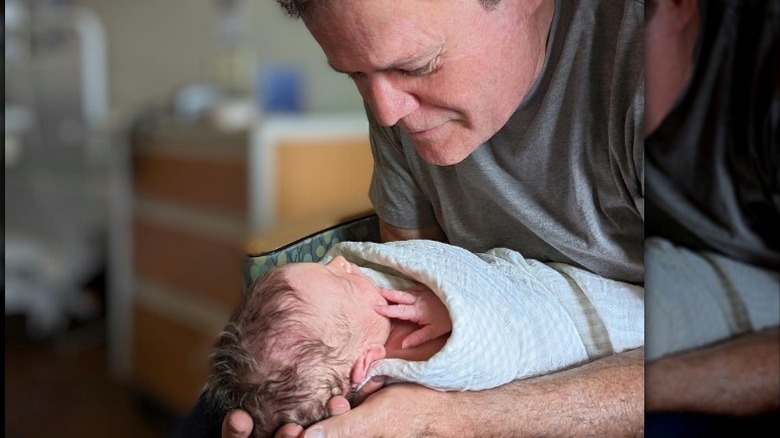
x: 481, y: 69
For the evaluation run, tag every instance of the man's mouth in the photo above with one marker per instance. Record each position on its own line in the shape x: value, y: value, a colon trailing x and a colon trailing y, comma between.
x: 422, y: 132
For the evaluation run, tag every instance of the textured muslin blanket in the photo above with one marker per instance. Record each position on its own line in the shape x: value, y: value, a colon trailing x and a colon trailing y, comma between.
x: 698, y: 298
x: 511, y: 317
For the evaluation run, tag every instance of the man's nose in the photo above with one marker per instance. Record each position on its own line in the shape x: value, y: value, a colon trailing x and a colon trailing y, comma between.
x: 389, y: 101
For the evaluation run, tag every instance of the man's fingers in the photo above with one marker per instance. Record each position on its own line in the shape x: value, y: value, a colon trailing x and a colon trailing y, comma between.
x: 289, y: 430
x: 397, y: 296
x: 337, y: 405
x: 342, y: 427
x: 237, y: 424
x: 378, y: 415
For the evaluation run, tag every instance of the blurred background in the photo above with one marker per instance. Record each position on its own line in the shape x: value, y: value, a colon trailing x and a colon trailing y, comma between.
x: 149, y: 147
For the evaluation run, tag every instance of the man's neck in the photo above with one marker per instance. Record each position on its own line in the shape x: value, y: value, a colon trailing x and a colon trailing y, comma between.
x: 671, y: 36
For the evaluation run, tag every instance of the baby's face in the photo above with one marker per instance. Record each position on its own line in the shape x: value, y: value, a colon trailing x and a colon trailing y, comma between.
x: 340, y: 286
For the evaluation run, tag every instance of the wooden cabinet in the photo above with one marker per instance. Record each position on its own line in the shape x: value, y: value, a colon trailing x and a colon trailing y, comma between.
x: 188, y: 228
x: 200, y: 197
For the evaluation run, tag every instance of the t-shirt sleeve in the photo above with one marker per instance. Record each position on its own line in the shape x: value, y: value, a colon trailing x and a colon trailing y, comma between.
x: 627, y: 102
x: 395, y: 193
x: 637, y: 145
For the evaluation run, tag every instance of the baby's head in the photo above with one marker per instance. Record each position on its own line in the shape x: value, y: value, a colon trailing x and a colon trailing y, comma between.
x: 302, y: 334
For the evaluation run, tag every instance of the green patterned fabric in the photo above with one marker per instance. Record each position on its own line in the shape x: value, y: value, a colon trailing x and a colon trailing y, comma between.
x: 313, y: 247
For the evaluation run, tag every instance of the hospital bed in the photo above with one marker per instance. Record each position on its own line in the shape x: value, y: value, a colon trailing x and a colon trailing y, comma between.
x: 362, y: 227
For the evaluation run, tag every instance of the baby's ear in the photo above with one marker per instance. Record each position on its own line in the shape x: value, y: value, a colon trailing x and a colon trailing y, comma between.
x: 370, y: 354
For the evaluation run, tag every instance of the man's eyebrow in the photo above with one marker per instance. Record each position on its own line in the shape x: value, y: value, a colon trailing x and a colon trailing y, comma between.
x: 399, y: 63
x: 337, y: 70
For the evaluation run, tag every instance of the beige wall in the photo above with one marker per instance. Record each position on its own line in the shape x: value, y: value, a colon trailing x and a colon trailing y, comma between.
x: 157, y: 46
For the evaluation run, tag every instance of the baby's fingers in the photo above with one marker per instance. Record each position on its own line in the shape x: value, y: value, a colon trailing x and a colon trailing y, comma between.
x: 400, y: 311
x: 420, y: 337
x: 397, y: 296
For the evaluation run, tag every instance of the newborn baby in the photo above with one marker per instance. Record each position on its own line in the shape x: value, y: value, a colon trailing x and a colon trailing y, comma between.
x: 306, y: 332
x: 415, y: 311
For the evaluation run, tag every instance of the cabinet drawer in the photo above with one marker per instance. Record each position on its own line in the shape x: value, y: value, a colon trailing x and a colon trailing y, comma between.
x: 323, y: 176
x: 216, y: 182
x: 198, y: 264
x: 170, y: 360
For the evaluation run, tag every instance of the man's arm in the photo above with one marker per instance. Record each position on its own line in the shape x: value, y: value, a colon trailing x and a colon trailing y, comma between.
x: 389, y: 233
x: 601, y: 398
x: 740, y: 376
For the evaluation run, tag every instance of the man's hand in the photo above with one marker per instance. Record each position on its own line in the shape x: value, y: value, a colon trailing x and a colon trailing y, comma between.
x: 601, y: 398
x: 401, y: 410
x: 237, y: 424
x: 336, y: 406
x: 420, y: 305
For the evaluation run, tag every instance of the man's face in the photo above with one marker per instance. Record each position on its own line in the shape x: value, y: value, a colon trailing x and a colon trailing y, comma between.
x: 449, y: 73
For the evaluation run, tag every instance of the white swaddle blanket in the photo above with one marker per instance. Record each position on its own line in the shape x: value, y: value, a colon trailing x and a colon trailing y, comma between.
x: 511, y: 317
x: 698, y: 298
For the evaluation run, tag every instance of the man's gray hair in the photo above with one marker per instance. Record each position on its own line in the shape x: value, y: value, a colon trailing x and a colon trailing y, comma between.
x: 299, y: 8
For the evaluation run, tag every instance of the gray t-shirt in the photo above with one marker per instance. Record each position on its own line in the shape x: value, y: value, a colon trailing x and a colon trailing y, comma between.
x: 563, y: 179
x: 713, y: 164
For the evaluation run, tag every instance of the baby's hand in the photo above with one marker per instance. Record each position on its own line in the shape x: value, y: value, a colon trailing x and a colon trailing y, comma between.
x: 420, y: 305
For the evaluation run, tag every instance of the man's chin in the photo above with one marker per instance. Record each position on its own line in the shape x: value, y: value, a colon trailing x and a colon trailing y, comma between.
x: 439, y: 155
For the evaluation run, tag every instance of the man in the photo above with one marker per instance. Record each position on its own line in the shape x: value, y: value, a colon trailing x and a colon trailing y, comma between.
x: 713, y: 178
x: 513, y: 123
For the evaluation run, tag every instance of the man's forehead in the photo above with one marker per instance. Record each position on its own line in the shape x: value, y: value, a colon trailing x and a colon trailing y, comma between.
x: 387, y: 62
x: 373, y: 39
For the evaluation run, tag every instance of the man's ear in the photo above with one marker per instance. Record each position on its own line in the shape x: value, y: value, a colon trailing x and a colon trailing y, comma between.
x: 370, y: 354
x: 681, y: 12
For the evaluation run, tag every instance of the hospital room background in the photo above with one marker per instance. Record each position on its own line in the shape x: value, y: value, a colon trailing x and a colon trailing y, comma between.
x: 150, y: 146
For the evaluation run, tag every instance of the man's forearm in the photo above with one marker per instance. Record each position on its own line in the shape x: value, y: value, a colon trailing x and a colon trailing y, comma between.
x: 740, y: 376
x: 601, y: 398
